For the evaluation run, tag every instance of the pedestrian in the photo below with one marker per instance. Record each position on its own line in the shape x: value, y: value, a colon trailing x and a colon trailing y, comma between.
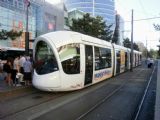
x: 2, y: 74
x: 27, y: 71
x: 1, y: 65
x: 16, y: 70
x: 149, y: 62
x: 7, y: 68
x: 21, y: 62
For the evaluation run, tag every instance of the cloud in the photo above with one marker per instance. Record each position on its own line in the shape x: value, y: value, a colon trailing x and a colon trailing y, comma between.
x: 54, y: 1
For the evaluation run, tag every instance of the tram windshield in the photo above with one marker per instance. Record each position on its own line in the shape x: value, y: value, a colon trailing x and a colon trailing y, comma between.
x: 45, y: 61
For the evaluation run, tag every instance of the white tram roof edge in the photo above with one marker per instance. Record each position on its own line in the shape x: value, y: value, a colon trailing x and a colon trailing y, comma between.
x: 118, y: 47
x: 61, y: 38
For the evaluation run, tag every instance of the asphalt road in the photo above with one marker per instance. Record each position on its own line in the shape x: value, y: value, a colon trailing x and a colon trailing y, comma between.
x: 119, y: 106
x: 114, y: 99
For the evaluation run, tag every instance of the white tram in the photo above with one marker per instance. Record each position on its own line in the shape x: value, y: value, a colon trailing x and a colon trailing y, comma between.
x: 66, y: 60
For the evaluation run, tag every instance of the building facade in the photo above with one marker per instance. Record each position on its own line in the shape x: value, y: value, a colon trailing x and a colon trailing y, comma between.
x: 43, y: 17
x: 74, y: 14
x: 104, y: 8
x: 119, y: 30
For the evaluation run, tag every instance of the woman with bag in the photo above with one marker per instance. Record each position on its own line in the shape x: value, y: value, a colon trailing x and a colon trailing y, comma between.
x: 8, y: 69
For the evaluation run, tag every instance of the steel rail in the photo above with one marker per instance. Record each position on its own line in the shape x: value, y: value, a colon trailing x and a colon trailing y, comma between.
x: 144, y: 96
x: 26, y: 108
x: 101, y: 102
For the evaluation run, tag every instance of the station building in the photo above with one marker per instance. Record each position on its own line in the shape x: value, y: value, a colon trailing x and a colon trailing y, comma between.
x: 43, y: 17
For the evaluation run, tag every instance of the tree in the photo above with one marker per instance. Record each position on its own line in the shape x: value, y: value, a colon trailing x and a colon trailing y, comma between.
x: 158, y: 52
x: 3, y: 35
x: 135, y: 47
x: 93, y: 26
x: 153, y: 53
x: 12, y: 34
x: 156, y: 27
x: 127, y: 43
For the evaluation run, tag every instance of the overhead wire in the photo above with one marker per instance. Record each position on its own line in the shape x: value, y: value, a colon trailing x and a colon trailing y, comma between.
x: 145, y: 13
x: 146, y: 17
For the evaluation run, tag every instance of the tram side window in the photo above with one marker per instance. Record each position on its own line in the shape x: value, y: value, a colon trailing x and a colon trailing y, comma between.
x: 70, y: 58
x: 45, y: 61
x: 102, y: 58
x: 140, y: 58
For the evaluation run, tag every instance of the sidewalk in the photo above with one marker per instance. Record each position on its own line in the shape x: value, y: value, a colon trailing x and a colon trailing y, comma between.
x: 157, y: 104
x: 8, y: 91
x: 5, y: 88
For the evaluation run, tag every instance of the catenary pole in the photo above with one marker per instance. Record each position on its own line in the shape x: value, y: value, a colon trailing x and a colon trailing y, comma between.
x: 27, y: 2
x: 131, y: 42
x: 146, y: 49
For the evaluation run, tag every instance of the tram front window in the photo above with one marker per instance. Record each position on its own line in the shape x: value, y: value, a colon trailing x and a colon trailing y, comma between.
x: 45, y: 61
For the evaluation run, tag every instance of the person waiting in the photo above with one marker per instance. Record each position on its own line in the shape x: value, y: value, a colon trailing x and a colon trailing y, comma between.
x: 27, y: 66
x: 21, y: 62
x: 16, y: 70
x: 7, y: 68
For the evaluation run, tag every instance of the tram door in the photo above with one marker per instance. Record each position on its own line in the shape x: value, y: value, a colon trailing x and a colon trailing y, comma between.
x: 126, y: 61
x: 118, y: 62
x: 88, y: 64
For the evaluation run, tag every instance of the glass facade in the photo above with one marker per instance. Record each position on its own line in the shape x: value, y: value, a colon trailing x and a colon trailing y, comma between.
x: 42, y: 18
x: 104, y: 8
x: 74, y: 14
x: 13, y: 17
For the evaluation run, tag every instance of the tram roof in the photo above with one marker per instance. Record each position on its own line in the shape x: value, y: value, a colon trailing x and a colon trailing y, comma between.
x: 118, y: 47
x: 61, y: 38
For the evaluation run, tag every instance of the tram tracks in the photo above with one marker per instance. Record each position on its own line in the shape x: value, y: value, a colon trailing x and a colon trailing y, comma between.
x: 135, y: 117
x: 50, y: 96
x: 101, y: 102
x: 53, y: 96
x: 114, y: 92
x: 38, y: 95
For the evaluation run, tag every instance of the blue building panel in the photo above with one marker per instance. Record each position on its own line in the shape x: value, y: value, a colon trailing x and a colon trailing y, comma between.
x: 104, y: 8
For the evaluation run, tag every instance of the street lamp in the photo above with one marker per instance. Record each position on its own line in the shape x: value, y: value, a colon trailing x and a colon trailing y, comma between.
x: 27, y: 3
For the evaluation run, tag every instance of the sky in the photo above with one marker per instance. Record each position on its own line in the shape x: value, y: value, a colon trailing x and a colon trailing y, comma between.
x: 143, y: 29
x: 54, y: 1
